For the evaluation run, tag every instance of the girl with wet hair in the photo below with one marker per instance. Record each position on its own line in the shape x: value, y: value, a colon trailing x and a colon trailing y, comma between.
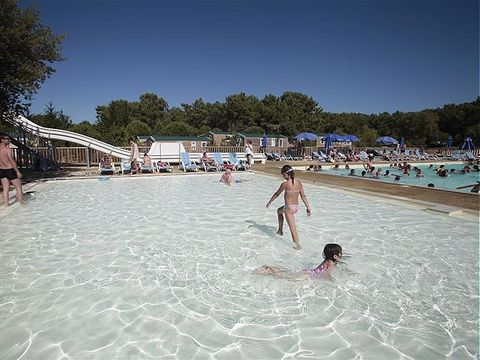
x: 293, y: 189
x: 332, y: 255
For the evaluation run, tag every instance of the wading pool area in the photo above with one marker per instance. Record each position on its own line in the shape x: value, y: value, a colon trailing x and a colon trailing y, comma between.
x: 164, y: 267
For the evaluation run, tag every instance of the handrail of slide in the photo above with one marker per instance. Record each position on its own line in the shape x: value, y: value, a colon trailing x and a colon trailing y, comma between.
x: 58, y: 134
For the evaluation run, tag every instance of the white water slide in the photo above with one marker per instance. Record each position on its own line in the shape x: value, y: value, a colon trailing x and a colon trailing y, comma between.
x: 57, y: 134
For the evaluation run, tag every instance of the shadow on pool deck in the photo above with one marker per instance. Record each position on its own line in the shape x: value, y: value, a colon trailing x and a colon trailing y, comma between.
x: 443, y: 200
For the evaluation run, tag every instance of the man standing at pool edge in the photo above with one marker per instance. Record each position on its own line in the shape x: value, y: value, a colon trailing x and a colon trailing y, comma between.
x: 9, y: 172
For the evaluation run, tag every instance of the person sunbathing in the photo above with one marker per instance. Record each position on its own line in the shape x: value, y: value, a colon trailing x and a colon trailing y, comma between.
x: 147, y: 160
x: 206, y: 159
x: 106, y: 162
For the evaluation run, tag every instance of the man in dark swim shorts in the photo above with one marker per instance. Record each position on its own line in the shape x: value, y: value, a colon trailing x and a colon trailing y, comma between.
x: 9, y: 172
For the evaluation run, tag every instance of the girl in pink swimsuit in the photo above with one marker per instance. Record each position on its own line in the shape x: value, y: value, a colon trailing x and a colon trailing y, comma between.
x: 332, y: 253
x: 293, y: 188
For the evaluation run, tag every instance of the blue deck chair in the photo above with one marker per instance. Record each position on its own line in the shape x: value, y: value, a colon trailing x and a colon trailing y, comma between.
x: 187, y: 163
x: 269, y: 156
x: 126, y: 167
x: 469, y: 156
x: 238, y: 164
x: 222, y: 164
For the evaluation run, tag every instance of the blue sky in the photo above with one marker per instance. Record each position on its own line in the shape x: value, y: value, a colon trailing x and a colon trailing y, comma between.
x: 363, y: 56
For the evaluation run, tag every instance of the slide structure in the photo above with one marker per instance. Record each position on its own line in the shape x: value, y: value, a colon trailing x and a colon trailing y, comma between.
x: 57, y: 134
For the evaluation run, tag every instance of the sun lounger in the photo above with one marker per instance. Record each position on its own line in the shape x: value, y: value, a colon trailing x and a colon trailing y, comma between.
x: 238, y: 164
x: 222, y: 164
x: 363, y: 156
x: 126, y: 167
x: 106, y: 169
x: 162, y: 166
x: 186, y: 163
x: 146, y: 168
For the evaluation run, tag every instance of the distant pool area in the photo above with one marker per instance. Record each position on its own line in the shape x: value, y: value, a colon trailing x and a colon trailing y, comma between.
x: 164, y: 267
x: 454, y: 179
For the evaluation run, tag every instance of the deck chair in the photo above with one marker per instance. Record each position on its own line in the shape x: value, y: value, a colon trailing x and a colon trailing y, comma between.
x: 146, y: 168
x: 163, y: 166
x: 209, y: 166
x: 341, y: 156
x: 469, y: 156
x: 222, y: 164
x: 106, y: 166
x: 186, y: 163
x: 363, y: 156
x: 126, y: 166
x: 277, y: 157
x: 238, y: 164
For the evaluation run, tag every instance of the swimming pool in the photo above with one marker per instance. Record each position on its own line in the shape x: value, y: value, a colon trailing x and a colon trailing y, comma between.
x: 451, y: 182
x: 164, y: 267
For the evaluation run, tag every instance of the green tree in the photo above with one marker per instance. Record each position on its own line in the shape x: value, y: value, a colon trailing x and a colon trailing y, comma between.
x: 86, y: 128
x: 367, y: 136
x: 136, y: 128
x: 151, y: 110
x: 179, y: 128
x: 52, y: 118
x: 27, y: 51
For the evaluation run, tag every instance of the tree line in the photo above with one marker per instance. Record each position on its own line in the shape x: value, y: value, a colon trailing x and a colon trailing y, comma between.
x: 28, y: 49
x: 288, y: 114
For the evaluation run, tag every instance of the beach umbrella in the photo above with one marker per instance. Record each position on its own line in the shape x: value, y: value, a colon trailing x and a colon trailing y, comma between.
x: 351, y: 138
x: 264, y: 140
x: 336, y: 137
x: 449, y: 141
x: 387, y: 140
x: 328, y: 141
x: 468, y: 144
x: 305, y: 136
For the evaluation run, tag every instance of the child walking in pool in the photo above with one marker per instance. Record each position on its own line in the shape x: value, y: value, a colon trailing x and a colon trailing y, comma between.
x: 332, y: 254
x: 293, y: 188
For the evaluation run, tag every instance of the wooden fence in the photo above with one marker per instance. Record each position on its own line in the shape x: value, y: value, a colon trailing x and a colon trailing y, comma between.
x: 85, y: 156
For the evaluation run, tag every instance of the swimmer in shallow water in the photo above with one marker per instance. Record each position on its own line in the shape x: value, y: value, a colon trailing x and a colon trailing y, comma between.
x: 332, y: 254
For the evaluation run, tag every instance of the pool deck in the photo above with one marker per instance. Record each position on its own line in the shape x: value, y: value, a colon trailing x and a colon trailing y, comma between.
x: 439, y: 200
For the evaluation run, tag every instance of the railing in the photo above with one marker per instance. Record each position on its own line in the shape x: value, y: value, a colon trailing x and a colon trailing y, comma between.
x: 82, y: 155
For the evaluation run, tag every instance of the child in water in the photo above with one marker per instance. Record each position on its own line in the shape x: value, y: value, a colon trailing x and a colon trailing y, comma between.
x: 227, y: 177
x: 293, y: 188
x: 332, y: 254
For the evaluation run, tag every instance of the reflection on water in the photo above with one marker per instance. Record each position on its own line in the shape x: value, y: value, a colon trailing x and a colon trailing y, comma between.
x: 152, y: 267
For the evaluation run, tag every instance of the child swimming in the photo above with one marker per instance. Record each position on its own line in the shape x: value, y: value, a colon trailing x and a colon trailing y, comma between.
x: 293, y: 188
x: 332, y: 254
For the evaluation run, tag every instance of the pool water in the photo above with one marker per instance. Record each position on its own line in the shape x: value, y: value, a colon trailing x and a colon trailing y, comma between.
x: 164, y: 267
x: 451, y: 182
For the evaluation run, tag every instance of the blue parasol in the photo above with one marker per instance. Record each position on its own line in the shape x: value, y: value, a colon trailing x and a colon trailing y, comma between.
x: 387, y: 140
x: 351, y: 138
x: 305, y: 136
x: 449, y: 141
x: 468, y: 144
x: 264, y: 139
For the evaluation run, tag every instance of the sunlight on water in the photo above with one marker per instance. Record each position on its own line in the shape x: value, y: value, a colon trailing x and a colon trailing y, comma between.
x: 164, y: 267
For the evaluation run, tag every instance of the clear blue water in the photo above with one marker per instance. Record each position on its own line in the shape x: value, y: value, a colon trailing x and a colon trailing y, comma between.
x: 163, y: 267
x: 451, y: 182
